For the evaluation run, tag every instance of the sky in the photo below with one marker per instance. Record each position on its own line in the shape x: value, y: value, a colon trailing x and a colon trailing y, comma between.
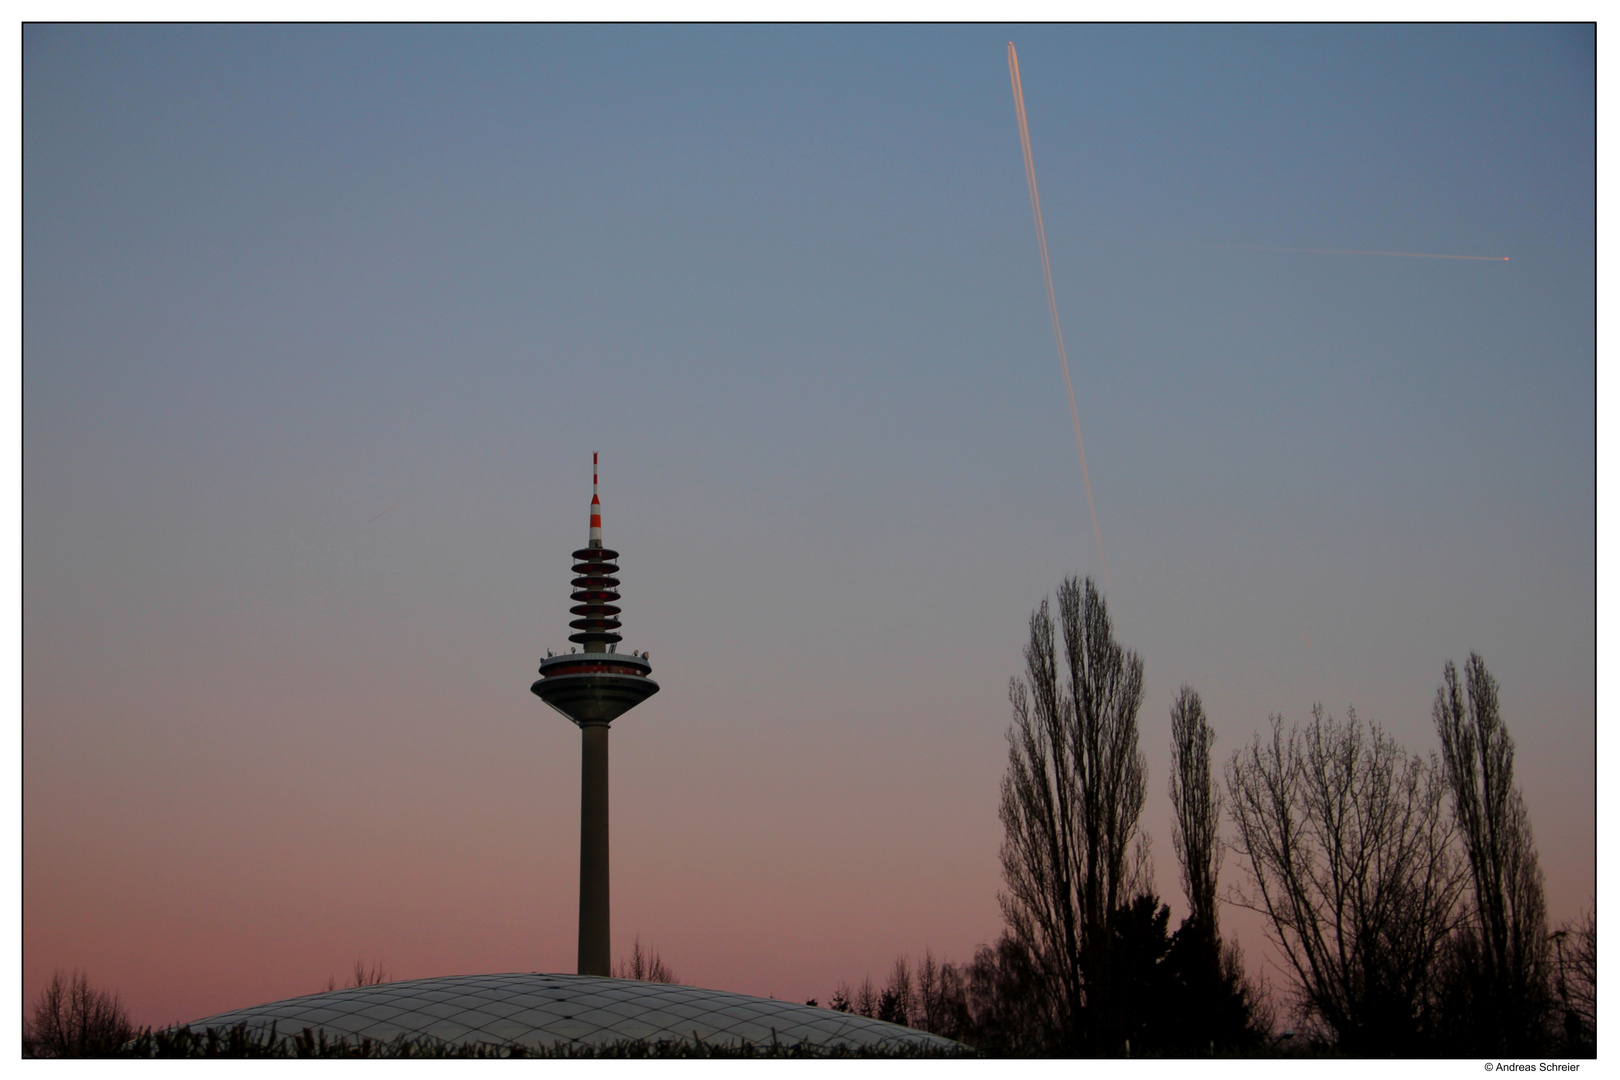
x: 321, y: 326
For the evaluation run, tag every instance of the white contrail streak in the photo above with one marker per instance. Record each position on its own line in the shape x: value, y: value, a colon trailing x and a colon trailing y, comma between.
x: 1340, y: 251
x: 396, y: 503
x: 1051, y: 297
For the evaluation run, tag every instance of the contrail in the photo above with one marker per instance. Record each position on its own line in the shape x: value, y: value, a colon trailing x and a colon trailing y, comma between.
x: 1051, y: 297
x: 395, y: 503
x: 1338, y: 251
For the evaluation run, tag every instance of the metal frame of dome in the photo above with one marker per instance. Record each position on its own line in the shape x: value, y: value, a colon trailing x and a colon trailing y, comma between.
x: 544, y: 1011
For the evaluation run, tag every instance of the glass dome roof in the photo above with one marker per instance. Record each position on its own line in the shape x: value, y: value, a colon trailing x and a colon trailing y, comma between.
x: 545, y: 1010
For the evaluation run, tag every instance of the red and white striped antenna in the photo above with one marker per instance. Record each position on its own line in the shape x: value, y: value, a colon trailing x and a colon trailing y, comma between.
x: 596, y: 509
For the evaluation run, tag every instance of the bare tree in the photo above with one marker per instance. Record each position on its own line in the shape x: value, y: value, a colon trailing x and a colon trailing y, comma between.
x: 1218, y: 1005
x: 993, y: 1003
x: 1071, y: 799
x: 1105, y: 686
x: 73, y: 1019
x: 1010, y: 1006
x: 362, y: 975
x: 1508, y: 951
x: 1577, y: 981
x: 644, y: 966
x: 897, y: 1002
x: 930, y: 996
x: 1042, y: 854
x: 1348, y: 849
x: 1197, y: 803
x: 941, y: 1002
x: 866, y: 998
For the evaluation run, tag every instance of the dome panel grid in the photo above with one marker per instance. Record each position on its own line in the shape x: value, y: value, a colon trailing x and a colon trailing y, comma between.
x: 545, y: 1010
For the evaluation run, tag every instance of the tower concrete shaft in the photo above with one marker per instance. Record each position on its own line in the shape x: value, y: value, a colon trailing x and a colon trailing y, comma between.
x: 592, y: 688
x: 595, y: 946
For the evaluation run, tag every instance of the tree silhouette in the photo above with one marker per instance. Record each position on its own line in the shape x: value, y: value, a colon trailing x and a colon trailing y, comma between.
x: 1070, y: 801
x: 1010, y: 1001
x: 1140, y: 989
x: 896, y: 1003
x: 1576, y: 982
x: 1349, y: 859
x: 73, y: 1019
x: 1500, y: 963
x: 375, y: 975
x: 1204, y: 989
x: 1197, y: 804
x: 644, y: 965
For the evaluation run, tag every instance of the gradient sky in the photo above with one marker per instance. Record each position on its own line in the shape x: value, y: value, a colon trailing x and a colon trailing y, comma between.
x: 280, y: 280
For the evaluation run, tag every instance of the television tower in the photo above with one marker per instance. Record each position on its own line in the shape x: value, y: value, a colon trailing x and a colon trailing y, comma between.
x: 593, y: 687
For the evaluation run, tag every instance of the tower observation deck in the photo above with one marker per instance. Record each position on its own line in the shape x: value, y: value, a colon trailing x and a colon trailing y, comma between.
x: 593, y: 687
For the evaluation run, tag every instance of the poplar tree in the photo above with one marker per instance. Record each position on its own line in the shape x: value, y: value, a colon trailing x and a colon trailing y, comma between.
x: 1503, y: 952
x: 1070, y: 801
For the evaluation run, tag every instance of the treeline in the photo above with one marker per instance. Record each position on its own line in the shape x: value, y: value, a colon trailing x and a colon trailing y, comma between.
x: 241, y: 1041
x: 997, y: 1004
x: 1401, y: 893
